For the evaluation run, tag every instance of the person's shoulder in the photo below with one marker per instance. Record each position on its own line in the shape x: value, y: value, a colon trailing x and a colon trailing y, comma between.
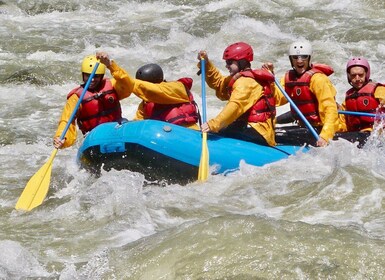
x: 245, y: 80
x: 320, y: 76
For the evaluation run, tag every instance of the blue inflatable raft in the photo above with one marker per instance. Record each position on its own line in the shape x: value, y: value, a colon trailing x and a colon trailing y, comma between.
x: 169, y: 153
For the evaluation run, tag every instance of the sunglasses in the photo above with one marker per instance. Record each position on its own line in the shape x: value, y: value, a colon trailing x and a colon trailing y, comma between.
x: 300, y: 56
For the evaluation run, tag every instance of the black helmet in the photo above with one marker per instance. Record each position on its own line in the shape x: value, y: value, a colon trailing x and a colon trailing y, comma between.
x: 152, y: 73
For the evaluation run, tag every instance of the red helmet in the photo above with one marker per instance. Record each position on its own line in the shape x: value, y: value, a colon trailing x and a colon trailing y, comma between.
x: 238, y: 51
x: 359, y: 61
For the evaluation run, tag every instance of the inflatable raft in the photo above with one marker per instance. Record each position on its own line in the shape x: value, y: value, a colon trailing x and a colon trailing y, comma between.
x: 170, y: 153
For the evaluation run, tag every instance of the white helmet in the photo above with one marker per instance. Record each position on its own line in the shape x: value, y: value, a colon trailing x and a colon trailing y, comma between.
x: 300, y: 48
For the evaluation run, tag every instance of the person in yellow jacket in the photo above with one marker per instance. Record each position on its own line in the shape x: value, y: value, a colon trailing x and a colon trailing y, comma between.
x: 169, y: 101
x: 250, y: 110
x: 311, y: 90
x: 99, y: 105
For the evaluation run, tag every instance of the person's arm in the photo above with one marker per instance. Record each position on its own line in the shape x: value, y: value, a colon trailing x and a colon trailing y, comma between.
x: 71, y: 135
x: 380, y: 94
x: 164, y: 93
x: 122, y: 82
x: 217, y: 81
x: 245, y: 93
x: 325, y: 93
x: 280, y: 98
x: 341, y: 118
x: 214, y: 78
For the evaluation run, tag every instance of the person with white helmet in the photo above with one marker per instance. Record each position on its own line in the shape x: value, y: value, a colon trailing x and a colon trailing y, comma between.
x: 364, y: 96
x: 250, y: 109
x: 311, y: 90
x: 100, y: 103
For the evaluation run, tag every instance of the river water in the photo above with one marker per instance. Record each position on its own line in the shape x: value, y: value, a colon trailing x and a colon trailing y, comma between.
x: 319, y: 215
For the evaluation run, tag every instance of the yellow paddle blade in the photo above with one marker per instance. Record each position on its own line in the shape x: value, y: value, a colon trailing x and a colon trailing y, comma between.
x: 204, y: 167
x: 37, y: 187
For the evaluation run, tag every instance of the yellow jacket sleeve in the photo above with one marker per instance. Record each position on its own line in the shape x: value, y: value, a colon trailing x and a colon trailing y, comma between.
x: 280, y: 98
x: 380, y: 93
x: 163, y: 93
x: 71, y: 134
x: 246, y: 92
x: 217, y: 81
x: 325, y: 93
x: 122, y: 82
x: 341, y: 118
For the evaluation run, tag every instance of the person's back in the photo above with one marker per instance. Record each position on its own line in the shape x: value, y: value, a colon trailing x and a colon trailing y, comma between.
x: 171, y: 102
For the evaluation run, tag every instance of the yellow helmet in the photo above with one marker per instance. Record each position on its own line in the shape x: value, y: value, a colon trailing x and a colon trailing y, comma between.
x: 88, y: 65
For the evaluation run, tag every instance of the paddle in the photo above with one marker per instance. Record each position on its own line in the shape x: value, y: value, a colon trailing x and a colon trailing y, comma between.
x: 37, y: 187
x: 361, y: 114
x: 203, y: 172
x: 312, y: 130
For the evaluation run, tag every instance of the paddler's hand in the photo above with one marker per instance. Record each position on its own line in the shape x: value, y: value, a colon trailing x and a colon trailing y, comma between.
x: 321, y: 142
x: 203, y: 54
x: 268, y: 66
x: 205, y: 127
x: 57, y: 143
x: 104, y: 58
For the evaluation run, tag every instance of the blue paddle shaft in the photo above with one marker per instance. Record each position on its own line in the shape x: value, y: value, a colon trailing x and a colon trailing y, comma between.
x: 299, y: 113
x: 203, y: 75
x: 361, y: 114
x: 79, y: 101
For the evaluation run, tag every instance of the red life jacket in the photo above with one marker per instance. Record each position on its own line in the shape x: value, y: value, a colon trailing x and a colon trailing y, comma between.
x: 362, y: 100
x: 298, y: 88
x: 180, y: 114
x: 97, y: 107
x: 264, y: 108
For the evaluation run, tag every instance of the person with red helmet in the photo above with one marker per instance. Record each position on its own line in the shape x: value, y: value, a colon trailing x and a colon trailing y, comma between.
x: 364, y: 96
x: 250, y: 110
x: 311, y: 90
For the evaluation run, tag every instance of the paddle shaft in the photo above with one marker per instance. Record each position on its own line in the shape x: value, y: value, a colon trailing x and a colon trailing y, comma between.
x: 37, y: 187
x: 360, y: 114
x: 87, y: 85
x: 299, y: 113
x: 204, y: 166
x: 203, y: 80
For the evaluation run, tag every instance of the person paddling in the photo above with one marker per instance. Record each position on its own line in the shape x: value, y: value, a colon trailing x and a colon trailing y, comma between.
x: 311, y: 90
x: 250, y: 109
x: 99, y: 105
